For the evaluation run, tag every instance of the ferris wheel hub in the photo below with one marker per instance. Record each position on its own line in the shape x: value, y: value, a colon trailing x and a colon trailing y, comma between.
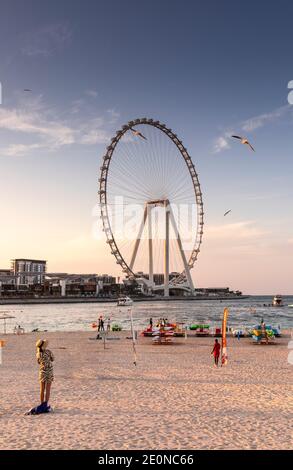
x: 158, y: 202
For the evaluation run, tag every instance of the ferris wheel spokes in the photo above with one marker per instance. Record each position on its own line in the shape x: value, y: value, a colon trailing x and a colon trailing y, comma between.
x: 137, y: 242
x: 169, y: 221
x: 181, y: 251
x: 150, y: 237
x: 167, y: 248
x: 140, y: 166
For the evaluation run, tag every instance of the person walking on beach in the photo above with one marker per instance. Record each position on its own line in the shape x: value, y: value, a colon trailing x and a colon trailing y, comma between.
x: 101, y: 324
x: 108, y: 324
x: 216, y: 352
x: 151, y: 323
x: 45, y: 358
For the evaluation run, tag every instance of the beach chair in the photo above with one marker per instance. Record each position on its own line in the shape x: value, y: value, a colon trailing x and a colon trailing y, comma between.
x: 116, y: 327
x: 164, y: 336
x: 203, y: 330
x: 266, y: 341
x: 261, y: 339
x: 178, y: 329
x: 218, y: 333
x: 148, y: 331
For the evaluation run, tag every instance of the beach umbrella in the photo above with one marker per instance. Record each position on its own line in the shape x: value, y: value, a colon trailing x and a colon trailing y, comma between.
x: 224, y: 337
x: 4, y: 316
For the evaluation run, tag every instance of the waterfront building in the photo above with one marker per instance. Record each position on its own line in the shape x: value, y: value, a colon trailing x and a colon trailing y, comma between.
x: 28, y: 271
x: 75, y: 285
x: 158, y: 277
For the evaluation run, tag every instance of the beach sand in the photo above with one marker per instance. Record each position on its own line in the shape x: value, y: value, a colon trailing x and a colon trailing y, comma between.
x: 173, y: 399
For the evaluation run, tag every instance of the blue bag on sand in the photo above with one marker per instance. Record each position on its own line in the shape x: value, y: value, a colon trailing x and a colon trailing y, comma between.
x: 42, y: 408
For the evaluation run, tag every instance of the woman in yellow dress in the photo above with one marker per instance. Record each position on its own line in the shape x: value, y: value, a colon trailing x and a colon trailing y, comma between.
x: 45, y: 358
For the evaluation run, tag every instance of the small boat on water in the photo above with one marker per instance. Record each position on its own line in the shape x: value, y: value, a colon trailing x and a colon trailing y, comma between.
x: 290, y: 306
x: 124, y: 301
x: 277, y: 301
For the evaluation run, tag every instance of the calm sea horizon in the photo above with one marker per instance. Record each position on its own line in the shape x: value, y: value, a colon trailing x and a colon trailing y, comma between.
x: 80, y: 316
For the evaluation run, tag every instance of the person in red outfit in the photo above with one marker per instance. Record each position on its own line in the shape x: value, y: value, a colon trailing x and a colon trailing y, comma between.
x: 216, y: 352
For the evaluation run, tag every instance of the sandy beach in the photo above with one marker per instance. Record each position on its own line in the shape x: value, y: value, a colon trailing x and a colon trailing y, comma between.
x: 173, y: 399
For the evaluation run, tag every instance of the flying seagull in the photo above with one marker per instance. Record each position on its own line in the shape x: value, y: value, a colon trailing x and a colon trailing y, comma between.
x: 243, y: 141
x: 226, y: 213
x: 27, y: 89
x: 135, y: 132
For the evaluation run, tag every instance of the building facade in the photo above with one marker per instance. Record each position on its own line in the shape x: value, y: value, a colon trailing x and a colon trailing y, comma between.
x: 158, y: 277
x: 28, y: 271
x: 79, y: 285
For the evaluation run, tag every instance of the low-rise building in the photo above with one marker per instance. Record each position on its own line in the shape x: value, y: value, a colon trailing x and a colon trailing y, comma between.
x: 158, y: 277
x: 83, y: 285
x: 28, y: 272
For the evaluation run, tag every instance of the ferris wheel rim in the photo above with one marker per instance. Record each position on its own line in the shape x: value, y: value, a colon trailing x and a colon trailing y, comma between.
x: 103, y: 180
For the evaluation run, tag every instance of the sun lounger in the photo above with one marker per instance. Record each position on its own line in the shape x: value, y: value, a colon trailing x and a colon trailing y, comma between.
x: 218, y: 333
x: 162, y: 339
x: 202, y: 332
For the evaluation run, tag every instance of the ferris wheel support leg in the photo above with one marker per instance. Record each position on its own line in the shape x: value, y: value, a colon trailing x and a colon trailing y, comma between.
x: 179, y: 243
x: 136, y: 246
x: 167, y: 238
x: 151, y: 264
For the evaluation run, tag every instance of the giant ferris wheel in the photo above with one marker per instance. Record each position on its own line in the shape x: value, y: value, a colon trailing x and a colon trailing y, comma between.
x: 151, y: 204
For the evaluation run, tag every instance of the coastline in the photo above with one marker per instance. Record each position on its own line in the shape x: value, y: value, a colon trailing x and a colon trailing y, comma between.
x: 74, y: 300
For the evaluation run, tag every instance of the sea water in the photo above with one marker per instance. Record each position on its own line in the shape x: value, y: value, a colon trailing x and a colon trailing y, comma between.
x: 80, y: 316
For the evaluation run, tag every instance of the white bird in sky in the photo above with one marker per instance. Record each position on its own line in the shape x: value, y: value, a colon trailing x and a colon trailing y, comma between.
x: 137, y: 133
x: 243, y: 141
